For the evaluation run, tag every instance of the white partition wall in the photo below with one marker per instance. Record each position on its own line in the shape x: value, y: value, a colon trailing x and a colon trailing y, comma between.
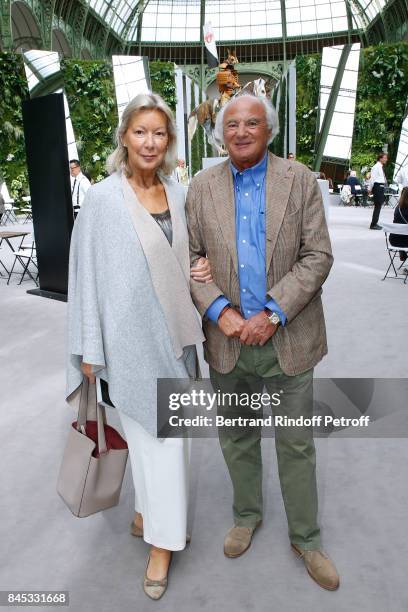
x: 291, y: 144
x: 181, y: 114
x: 131, y: 75
x: 401, y: 164
x: 183, y: 108
x: 340, y: 137
x: 188, y: 106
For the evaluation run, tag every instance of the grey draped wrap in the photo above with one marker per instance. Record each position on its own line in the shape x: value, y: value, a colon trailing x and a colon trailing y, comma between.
x: 129, y: 306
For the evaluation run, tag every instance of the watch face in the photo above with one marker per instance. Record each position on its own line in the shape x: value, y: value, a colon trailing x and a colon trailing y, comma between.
x: 274, y: 318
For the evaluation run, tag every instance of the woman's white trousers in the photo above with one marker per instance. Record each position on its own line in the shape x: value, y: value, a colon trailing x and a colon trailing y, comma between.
x: 160, y: 476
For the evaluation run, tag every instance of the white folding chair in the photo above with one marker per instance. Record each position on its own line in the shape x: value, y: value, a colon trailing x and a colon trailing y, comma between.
x: 9, y: 213
x: 9, y: 210
x: 391, y: 195
x: 393, y: 251
x: 4, y: 268
x: 25, y: 256
x: 28, y: 214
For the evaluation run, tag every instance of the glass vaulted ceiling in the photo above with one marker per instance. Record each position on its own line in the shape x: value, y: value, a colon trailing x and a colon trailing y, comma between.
x: 233, y: 20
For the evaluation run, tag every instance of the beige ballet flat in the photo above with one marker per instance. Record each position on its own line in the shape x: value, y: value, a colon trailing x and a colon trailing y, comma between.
x: 155, y: 589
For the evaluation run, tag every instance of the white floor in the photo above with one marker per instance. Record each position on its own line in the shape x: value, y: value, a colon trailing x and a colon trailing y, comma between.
x: 362, y: 482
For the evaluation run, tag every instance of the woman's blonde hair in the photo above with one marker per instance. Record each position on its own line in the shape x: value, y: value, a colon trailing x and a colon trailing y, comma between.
x: 118, y: 160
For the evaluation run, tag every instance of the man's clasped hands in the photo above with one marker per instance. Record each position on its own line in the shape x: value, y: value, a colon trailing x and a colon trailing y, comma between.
x: 256, y: 330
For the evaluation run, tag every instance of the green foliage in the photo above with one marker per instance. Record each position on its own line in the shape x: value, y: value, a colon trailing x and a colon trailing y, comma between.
x: 163, y: 81
x: 13, y: 90
x: 90, y: 91
x: 380, y: 107
x: 307, y: 105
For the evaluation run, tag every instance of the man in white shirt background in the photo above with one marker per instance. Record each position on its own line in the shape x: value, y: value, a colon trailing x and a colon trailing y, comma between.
x: 79, y: 185
x: 377, y: 184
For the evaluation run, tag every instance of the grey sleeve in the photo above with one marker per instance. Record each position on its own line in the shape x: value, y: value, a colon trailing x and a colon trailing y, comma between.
x: 85, y: 339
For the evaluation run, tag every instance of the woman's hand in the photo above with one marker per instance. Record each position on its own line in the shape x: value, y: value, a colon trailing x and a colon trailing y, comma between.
x: 201, y: 271
x: 87, y: 371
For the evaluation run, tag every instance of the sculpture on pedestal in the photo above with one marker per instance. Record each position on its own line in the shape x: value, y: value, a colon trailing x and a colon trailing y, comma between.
x: 228, y: 86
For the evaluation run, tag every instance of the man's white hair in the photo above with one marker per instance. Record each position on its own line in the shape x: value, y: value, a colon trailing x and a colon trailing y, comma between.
x: 272, y: 120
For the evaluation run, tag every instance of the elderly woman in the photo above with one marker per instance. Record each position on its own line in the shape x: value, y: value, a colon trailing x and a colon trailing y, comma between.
x: 131, y: 319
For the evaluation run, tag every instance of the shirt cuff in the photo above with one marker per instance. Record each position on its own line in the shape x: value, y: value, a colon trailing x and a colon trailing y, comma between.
x: 272, y: 305
x: 214, y: 310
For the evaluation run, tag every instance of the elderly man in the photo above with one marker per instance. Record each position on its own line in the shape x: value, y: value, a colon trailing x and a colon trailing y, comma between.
x: 260, y: 221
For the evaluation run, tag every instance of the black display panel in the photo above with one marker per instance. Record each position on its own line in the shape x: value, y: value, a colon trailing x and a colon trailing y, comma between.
x: 48, y: 172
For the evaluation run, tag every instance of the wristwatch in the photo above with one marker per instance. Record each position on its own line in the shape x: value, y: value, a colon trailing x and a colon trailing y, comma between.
x: 273, y: 317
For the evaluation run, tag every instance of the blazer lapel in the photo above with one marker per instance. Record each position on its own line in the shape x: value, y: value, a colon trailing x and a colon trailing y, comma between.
x: 180, y: 235
x: 223, y: 196
x: 278, y: 187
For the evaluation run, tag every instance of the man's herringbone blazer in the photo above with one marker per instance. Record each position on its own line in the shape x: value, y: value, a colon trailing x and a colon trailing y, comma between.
x: 298, y: 259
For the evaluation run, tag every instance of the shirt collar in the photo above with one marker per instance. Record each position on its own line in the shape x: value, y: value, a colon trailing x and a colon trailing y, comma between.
x: 257, y: 172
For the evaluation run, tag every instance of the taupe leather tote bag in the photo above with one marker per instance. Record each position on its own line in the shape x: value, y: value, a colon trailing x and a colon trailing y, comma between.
x: 94, y: 460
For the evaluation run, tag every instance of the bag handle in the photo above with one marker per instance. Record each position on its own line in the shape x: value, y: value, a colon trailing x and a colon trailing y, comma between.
x: 88, y: 399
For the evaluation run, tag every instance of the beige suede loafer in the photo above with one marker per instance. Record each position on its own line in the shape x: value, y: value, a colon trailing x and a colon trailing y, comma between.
x: 238, y: 540
x: 138, y: 532
x: 319, y: 567
x: 155, y: 588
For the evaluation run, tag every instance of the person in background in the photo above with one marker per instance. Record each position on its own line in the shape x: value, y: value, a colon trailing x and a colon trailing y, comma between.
x: 182, y: 172
x: 377, y: 184
x: 79, y: 185
x: 367, y: 179
x: 354, y: 183
x: 322, y: 177
x: 401, y: 216
x: 291, y: 156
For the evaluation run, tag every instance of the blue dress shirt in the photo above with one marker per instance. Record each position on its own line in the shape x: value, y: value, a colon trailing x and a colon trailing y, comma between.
x: 250, y: 195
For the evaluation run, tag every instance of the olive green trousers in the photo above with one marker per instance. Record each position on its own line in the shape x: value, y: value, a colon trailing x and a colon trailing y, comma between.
x: 256, y: 369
